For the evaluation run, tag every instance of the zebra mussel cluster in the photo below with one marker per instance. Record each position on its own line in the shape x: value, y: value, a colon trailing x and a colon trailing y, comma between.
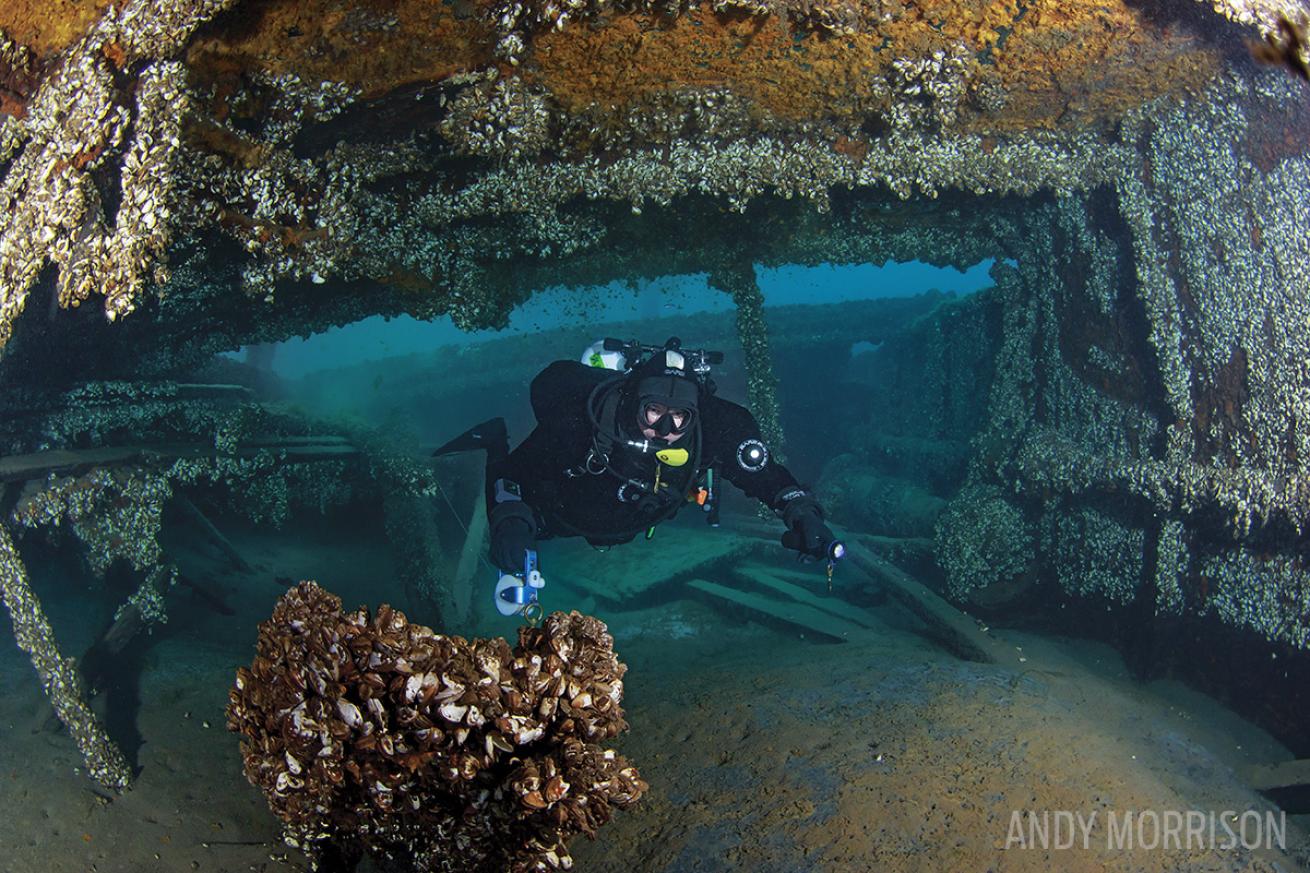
x: 370, y: 734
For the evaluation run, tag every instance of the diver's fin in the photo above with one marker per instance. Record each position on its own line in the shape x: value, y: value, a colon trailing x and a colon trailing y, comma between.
x: 491, y: 435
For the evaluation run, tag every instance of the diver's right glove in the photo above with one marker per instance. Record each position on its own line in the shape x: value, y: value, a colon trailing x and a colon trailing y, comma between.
x: 513, y: 534
x: 806, y: 532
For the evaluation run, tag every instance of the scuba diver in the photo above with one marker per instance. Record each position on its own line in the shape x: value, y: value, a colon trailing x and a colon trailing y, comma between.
x: 624, y: 440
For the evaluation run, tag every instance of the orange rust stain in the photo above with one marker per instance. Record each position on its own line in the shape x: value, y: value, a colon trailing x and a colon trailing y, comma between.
x: 373, y: 45
x: 86, y: 156
x: 852, y: 148
x: 293, y: 236
x: 1063, y: 63
x: 978, y: 25
x: 12, y: 106
x: 215, y: 139
x: 49, y: 26
x: 1078, y: 62
x: 637, y: 56
x: 289, y: 236
x: 114, y: 53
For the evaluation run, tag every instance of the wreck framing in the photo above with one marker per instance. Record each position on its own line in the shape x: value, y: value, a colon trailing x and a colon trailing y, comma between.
x: 177, y: 183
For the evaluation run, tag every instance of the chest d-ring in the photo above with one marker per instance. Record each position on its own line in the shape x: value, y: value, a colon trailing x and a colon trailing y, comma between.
x: 596, y: 462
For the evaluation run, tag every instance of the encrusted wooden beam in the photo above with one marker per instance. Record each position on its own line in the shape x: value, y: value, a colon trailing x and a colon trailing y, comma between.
x: 59, y: 675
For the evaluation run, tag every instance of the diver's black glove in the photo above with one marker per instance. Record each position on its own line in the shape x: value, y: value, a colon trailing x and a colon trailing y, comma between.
x: 806, y: 532
x: 513, y: 532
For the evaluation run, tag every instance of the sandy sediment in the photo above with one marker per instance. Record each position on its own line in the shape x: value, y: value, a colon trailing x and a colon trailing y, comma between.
x: 764, y: 752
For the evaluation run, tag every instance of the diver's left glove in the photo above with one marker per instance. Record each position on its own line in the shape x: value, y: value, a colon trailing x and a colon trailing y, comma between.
x: 806, y: 532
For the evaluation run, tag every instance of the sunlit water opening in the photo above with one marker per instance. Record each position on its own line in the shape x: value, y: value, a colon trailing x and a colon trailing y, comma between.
x: 377, y: 337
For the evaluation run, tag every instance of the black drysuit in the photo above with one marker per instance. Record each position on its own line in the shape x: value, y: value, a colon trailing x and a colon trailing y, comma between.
x: 612, y: 506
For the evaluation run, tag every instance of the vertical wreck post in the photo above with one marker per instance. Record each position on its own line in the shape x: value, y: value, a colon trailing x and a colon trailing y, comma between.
x: 59, y: 677
x: 411, y: 525
x: 738, y: 279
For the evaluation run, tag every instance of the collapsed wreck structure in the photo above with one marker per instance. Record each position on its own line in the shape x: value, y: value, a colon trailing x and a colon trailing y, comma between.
x: 184, y: 177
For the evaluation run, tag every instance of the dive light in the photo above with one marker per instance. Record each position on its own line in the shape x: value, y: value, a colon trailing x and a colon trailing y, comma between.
x: 515, y: 593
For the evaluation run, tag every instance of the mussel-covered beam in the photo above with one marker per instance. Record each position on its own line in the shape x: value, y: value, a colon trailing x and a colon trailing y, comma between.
x: 59, y: 676
x: 738, y: 279
x: 1231, y: 505
x: 17, y: 468
x: 136, y: 139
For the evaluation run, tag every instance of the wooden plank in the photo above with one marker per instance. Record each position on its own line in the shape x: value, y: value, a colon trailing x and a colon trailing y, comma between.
x: 586, y: 584
x: 642, y: 567
x: 807, y: 618
x: 754, y: 526
x: 813, y: 579
x: 888, y: 547
x: 37, y: 465
x: 197, y: 390
x: 275, y: 440
x: 291, y: 454
x: 215, y: 535
x: 1288, y: 774
x: 467, y: 567
x: 952, y: 628
x: 899, y: 549
x: 835, y: 606
x: 309, y: 453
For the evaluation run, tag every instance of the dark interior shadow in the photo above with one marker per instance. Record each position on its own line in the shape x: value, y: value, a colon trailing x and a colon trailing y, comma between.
x: 113, y: 683
x: 1294, y: 800
x: 111, y: 670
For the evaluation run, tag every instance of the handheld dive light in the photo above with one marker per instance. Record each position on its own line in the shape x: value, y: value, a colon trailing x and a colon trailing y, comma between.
x: 836, y: 551
x: 516, y: 594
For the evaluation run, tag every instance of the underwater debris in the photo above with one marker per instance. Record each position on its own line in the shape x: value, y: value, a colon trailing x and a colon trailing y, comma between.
x: 494, y: 179
x: 411, y: 526
x: 370, y: 734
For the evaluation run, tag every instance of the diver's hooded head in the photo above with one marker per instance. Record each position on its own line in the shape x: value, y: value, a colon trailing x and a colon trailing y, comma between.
x: 665, y: 382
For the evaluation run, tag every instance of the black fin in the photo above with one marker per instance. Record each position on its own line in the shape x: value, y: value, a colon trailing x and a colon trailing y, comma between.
x: 491, y: 435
